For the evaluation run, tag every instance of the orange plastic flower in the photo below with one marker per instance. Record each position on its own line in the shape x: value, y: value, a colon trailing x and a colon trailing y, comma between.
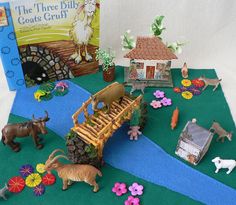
x: 186, y: 82
x: 187, y: 95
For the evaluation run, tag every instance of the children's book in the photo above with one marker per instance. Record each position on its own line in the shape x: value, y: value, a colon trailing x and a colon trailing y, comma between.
x: 44, y: 40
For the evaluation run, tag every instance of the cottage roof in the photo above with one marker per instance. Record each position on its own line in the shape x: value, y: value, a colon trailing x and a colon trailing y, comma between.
x: 150, y: 48
x: 197, y: 135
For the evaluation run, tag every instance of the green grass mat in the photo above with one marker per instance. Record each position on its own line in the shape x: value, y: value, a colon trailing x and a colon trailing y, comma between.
x: 78, y: 193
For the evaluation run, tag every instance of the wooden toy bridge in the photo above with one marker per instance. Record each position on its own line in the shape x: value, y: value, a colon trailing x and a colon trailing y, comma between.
x: 99, y: 127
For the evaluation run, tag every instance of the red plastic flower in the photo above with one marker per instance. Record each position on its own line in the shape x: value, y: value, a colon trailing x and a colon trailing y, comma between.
x: 198, y: 83
x: 177, y: 90
x: 16, y: 184
x: 48, y: 179
x: 119, y: 188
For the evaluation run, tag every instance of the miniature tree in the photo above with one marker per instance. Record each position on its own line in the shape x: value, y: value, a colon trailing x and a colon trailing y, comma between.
x: 135, y: 119
x: 128, y: 42
x: 107, y: 58
x: 157, y: 26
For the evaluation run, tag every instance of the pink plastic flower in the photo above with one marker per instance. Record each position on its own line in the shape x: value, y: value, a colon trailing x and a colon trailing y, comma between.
x: 136, y: 189
x: 156, y: 104
x: 119, y: 189
x: 132, y: 201
x: 166, y: 101
x: 159, y: 94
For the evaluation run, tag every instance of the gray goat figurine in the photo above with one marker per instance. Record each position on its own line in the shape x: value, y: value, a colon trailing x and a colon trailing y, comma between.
x: 222, y: 133
x: 208, y: 81
x: 3, y: 192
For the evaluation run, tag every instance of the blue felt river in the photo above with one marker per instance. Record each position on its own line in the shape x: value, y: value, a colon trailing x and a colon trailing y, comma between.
x: 142, y: 158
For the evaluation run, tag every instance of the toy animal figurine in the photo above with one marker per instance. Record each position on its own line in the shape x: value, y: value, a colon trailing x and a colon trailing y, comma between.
x: 136, y: 85
x: 221, y: 132
x: 184, y: 71
x: 175, y: 118
x: 224, y: 163
x: 3, y: 192
x: 82, y: 31
x: 208, y: 81
x: 110, y: 95
x: 33, y: 128
x: 61, y: 85
x: 40, y: 93
x: 72, y: 172
x: 134, y: 132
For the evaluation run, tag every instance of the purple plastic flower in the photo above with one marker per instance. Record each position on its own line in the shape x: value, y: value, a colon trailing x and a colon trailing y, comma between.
x: 195, y: 91
x: 119, y: 188
x: 166, y: 101
x: 26, y: 170
x: 182, y: 88
x: 156, y: 104
x: 39, y: 190
x: 132, y: 201
x: 159, y: 94
x: 136, y: 189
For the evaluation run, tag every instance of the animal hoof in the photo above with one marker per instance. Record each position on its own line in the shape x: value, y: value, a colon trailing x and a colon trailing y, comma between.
x: 63, y: 189
x: 95, y: 190
x: 17, y: 149
x: 40, y: 146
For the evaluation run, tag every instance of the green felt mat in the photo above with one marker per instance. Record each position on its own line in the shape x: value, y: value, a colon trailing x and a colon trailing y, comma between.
x: 78, y: 193
x: 206, y: 107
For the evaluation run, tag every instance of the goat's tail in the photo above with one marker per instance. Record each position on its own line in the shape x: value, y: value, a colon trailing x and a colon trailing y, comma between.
x: 3, y: 138
x: 99, y: 173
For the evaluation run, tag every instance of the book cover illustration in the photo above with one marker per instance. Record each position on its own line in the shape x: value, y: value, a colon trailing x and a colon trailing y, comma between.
x: 53, y: 40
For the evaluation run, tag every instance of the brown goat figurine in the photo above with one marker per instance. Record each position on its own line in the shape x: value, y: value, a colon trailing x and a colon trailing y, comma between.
x: 30, y: 128
x: 72, y: 172
x: 110, y: 95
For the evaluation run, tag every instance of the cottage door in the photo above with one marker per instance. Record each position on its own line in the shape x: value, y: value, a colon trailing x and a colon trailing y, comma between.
x: 150, y: 72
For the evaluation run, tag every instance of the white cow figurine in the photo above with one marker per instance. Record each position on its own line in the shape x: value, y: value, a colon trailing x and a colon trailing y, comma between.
x: 224, y: 163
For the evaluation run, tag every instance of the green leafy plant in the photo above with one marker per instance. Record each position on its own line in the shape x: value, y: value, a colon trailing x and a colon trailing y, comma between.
x: 91, y: 151
x: 49, y: 86
x: 127, y: 41
x: 176, y: 47
x: 29, y: 82
x: 71, y: 135
x: 157, y: 26
x: 107, y: 58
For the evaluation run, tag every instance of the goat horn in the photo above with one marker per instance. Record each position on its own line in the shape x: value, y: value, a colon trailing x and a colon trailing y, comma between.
x: 46, y: 117
x: 54, y: 152
x: 33, y: 119
x: 58, y: 157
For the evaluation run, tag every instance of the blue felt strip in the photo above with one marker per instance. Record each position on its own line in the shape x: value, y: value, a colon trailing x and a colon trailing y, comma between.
x: 142, y: 158
x: 9, y: 53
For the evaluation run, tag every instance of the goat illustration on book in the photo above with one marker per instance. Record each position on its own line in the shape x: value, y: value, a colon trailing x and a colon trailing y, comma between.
x: 82, y: 31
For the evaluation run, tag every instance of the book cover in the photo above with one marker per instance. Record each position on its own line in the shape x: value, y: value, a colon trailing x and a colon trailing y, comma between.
x: 44, y: 40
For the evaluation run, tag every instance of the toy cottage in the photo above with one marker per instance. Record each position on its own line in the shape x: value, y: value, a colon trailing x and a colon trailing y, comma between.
x: 150, y: 62
x: 193, y: 143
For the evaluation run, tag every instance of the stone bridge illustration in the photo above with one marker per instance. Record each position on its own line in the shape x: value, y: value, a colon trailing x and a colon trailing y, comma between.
x: 49, y: 61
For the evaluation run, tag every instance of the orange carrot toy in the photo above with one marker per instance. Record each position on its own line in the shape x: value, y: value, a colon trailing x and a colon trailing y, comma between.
x: 174, y: 119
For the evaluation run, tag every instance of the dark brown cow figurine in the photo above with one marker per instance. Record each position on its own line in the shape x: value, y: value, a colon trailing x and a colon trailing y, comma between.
x: 30, y: 128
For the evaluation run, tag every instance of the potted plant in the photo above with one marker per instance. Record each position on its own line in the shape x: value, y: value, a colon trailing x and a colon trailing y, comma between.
x: 108, y: 65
